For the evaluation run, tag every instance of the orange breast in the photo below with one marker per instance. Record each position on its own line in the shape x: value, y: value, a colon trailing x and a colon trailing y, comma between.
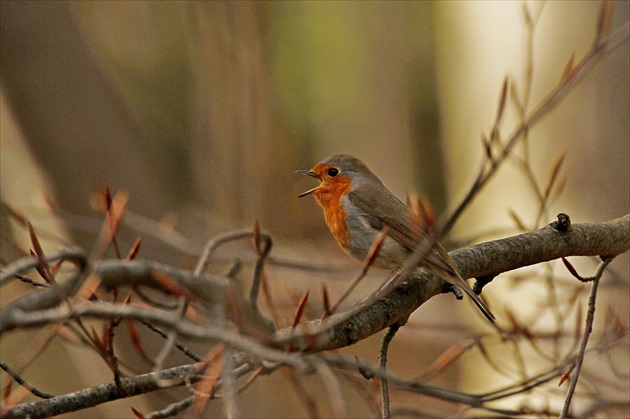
x: 329, y: 197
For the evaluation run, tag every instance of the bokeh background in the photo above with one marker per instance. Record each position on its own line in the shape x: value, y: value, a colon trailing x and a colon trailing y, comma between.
x: 202, y: 111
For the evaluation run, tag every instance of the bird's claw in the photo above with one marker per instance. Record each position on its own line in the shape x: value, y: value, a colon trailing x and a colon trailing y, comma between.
x: 458, y: 293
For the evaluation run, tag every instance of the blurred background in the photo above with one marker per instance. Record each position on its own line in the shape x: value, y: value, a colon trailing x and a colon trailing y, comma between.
x: 202, y: 111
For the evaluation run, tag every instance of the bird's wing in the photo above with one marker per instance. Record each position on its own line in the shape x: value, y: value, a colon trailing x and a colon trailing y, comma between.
x: 408, y: 231
x: 405, y: 230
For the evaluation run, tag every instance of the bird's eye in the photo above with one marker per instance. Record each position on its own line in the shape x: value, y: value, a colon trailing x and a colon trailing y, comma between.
x: 333, y: 171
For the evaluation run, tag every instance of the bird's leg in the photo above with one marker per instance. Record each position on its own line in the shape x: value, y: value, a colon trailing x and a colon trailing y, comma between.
x: 454, y: 289
x: 481, y: 282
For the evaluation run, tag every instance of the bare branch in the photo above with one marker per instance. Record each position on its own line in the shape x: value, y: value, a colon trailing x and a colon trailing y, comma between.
x: 590, y: 317
x: 387, y: 339
x: 485, y: 259
x: 566, y: 85
x: 9, y: 272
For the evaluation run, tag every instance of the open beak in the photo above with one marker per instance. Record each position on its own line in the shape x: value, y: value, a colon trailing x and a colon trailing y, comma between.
x: 311, y: 174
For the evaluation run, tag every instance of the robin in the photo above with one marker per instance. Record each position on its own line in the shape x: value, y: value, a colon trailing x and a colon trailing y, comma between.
x: 357, y: 207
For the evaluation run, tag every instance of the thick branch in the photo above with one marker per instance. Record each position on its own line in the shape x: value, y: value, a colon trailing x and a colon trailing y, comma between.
x: 366, y: 318
x: 486, y: 259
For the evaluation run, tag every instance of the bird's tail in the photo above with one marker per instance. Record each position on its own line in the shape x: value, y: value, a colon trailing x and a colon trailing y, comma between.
x: 442, y: 265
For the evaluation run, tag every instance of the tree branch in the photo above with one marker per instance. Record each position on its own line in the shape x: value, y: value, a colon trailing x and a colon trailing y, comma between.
x: 559, y: 239
x: 378, y: 312
x: 100, y: 394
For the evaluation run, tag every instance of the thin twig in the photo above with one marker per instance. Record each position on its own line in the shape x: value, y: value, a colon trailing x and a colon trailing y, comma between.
x: 590, y: 317
x: 307, y: 400
x: 217, y: 241
x: 565, y: 86
x: 391, y: 332
x: 25, y: 279
x: 258, y: 268
x: 8, y: 272
x: 170, y: 341
x: 172, y: 409
x: 333, y: 388
x: 230, y: 389
x: 109, y: 350
x: 16, y: 377
x: 97, y: 395
x: 178, y: 345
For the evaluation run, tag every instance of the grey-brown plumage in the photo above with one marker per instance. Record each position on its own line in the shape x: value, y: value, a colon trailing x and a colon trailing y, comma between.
x: 357, y: 207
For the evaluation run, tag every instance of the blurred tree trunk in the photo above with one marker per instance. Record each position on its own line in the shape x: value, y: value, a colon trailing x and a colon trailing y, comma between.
x: 179, y: 117
x: 69, y: 111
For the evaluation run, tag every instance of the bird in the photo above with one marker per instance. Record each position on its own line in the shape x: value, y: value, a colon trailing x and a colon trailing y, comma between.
x: 358, y: 207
